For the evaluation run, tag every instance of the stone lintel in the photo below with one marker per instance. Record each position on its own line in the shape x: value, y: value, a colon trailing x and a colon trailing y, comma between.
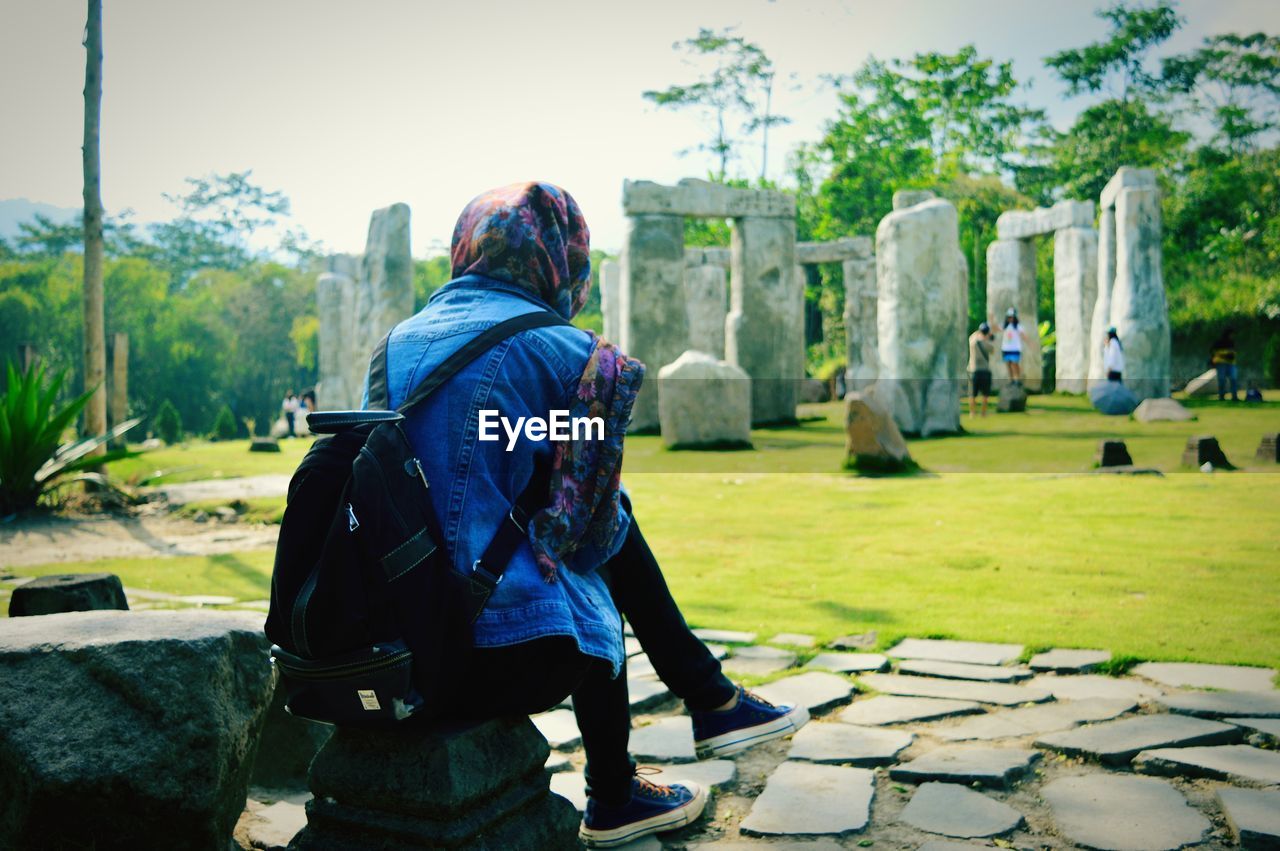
x: 692, y: 197
x: 836, y: 251
x: 1127, y: 177
x: 1024, y: 224
x: 706, y: 256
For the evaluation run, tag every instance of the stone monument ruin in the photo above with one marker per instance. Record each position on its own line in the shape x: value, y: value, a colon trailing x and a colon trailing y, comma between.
x: 359, y: 299
x: 610, y: 299
x: 763, y: 334
x: 706, y: 297
x: 1131, y: 293
x: 856, y: 257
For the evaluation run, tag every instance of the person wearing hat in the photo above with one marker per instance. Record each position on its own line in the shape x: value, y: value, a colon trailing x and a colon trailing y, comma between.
x: 1011, y: 341
x: 1113, y: 355
x: 981, y: 344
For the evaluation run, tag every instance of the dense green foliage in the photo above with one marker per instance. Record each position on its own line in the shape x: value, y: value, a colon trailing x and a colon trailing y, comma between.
x: 225, y: 426
x: 168, y: 423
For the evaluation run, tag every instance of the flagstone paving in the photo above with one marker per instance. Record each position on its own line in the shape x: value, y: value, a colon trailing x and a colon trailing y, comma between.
x: 1242, y: 764
x: 815, y: 691
x: 964, y: 671
x: 667, y: 740
x: 911, y: 686
x: 972, y: 652
x: 1117, y: 742
x: 1034, y: 720
x: 956, y: 811
x: 1066, y: 661
x: 863, y: 747
x: 847, y: 663
x: 1094, y: 685
x: 759, y: 660
x: 801, y: 798
x: 1123, y: 813
x: 1264, y: 732
x: 1222, y: 704
x: 1253, y: 816
x: 996, y: 768
x: 891, y: 709
x: 793, y: 639
x: 1196, y: 675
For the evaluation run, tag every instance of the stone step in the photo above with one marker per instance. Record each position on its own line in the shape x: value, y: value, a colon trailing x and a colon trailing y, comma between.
x: 911, y: 686
x: 1117, y: 742
x: 1123, y: 813
x: 890, y: 709
x: 1034, y: 720
x: 952, y: 810
x: 665, y: 740
x: 1234, y: 763
x: 1094, y: 685
x: 804, y: 799
x: 1220, y: 704
x: 758, y: 660
x: 1068, y: 661
x: 971, y: 652
x: 863, y: 747
x: 847, y: 663
x: 1198, y: 675
x: 815, y: 691
x: 964, y: 671
x: 996, y: 768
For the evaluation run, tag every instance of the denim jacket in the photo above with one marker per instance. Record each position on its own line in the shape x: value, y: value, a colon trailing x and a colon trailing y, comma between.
x: 475, y: 483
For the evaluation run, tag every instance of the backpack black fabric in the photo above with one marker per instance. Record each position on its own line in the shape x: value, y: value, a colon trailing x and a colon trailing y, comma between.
x: 371, y: 625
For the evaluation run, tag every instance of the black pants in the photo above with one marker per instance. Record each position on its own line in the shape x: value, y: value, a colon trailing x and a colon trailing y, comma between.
x: 535, y: 676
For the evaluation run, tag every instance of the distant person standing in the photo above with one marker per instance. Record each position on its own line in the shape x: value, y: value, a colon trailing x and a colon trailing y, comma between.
x: 290, y: 408
x: 1011, y: 340
x: 1223, y: 359
x: 1113, y: 356
x: 981, y: 344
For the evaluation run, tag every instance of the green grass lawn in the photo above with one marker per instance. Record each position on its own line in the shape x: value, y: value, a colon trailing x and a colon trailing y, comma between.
x: 1016, y: 549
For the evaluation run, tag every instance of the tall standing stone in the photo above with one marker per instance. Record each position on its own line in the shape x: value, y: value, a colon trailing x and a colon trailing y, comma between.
x: 921, y: 295
x: 764, y: 332
x: 1011, y: 282
x: 1101, y: 319
x: 860, y: 333
x: 611, y: 299
x: 652, y: 294
x: 706, y: 293
x: 335, y: 295
x: 1075, y: 288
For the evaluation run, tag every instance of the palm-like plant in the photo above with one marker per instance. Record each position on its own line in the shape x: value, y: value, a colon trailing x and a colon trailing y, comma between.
x: 33, y: 458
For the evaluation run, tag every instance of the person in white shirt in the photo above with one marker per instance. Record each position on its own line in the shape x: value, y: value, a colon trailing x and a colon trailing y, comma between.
x: 290, y: 408
x: 1113, y: 356
x: 1011, y: 340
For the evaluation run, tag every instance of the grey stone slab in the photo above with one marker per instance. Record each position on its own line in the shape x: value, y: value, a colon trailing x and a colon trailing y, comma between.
x: 708, y: 774
x: 846, y: 663
x: 994, y: 767
x: 1117, y: 742
x: 559, y: 728
x: 860, y: 641
x: 274, y: 826
x: 953, y: 810
x: 631, y: 646
x: 793, y: 639
x: 1196, y: 675
x: 725, y: 636
x: 646, y: 693
x: 911, y: 686
x: 1261, y: 731
x: 815, y: 691
x: 1035, y: 720
x: 1121, y: 813
x: 558, y: 762
x: 1069, y: 661
x: 801, y: 798
x: 665, y: 740
x: 971, y: 652
x: 759, y: 660
x: 864, y: 747
x: 639, y: 667
x: 889, y: 709
x: 1094, y: 685
x: 1253, y: 816
x: 1233, y: 763
x: 572, y: 786
x: 1254, y: 704
x: 963, y: 671
x: 946, y: 845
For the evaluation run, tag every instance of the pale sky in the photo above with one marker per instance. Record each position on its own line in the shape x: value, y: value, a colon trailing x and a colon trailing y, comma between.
x: 349, y: 106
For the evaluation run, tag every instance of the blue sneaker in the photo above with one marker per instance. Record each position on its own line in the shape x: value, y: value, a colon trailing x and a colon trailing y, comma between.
x: 753, y: 721
x: 652, y: 809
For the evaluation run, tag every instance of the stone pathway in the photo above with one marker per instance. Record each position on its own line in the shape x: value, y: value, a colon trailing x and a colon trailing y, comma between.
x: 949, y: 745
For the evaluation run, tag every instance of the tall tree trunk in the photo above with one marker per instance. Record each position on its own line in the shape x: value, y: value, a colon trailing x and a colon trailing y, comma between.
x: 95, y: 348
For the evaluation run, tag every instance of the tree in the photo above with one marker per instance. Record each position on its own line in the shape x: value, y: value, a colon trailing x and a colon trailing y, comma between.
x: 738, y: 88
x: 1117, y: 64
x: 1235, y: 80
x: 95, y: 345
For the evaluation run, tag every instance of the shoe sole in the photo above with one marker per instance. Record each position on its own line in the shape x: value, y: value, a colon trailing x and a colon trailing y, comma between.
x: 736, y: 741
x: 672, y: 820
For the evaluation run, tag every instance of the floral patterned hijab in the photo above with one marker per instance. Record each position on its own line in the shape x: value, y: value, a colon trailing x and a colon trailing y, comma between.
x: 533, y: 235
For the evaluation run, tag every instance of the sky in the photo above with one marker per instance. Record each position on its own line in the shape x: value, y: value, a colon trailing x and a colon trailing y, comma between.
x: 346, y: 107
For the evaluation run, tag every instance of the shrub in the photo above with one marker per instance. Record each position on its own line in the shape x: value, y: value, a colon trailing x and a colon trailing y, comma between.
x: 168, y: 423
x: 225, y: 426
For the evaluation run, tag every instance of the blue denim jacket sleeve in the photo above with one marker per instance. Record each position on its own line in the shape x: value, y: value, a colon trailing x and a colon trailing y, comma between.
x: 474, y: 482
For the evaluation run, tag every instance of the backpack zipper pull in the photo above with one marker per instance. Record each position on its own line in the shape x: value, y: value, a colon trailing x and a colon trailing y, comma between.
x: 352, y: 523
x: 414, y: 466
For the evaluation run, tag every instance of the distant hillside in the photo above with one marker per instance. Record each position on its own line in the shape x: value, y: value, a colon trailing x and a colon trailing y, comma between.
x: 17, y: 210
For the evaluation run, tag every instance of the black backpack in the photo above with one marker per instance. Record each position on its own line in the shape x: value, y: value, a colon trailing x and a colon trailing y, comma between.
x: 370, y: 622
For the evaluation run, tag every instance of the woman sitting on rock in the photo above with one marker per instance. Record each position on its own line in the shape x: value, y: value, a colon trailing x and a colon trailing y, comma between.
x: 553, y: 626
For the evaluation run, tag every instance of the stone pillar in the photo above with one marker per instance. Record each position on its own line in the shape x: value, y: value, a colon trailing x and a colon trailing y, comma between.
x: 28, y: 356
x: 1075, y: 289
x: 384, y: 296
x: 1101, y: 318
x: 1139, y: 310
x: 119, y: 382
x: 1011, y: 282
x: 920, y: 294
x: 335, y: 295
x: 764, y: 332
x: 860, y: 332
x: 706, y: 293
x: 654, y: 324
x: 611, y: 299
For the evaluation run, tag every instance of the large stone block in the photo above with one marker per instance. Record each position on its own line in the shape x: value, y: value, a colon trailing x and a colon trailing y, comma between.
x: 1075, y: 289
x: 764, y: 332
x: 654, y: 325
x: 704, y: 402
x: 611, y: 299
x: 860, y: 318
x: 920, y: 302
x: 68, y: 592
x: 129, y: 729
x: 1126, y: 177
x: 835, y: 251
x: 701, y: 198
x: 287, y: 746
x: 872, y: 438
x: 706, y: 293
x: 335, y: 301
x: 1011, y: 282
x: 1024, y: 224
x: 1106, y: 277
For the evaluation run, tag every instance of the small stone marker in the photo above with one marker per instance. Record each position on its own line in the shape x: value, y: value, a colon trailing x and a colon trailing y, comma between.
x: 1117, y: 742
x: 1197, y: 675
x: 1233, y: 763
x: 1268, y: 449
x: 963, y: 671
x: 1219, y: 704
x: 970, y: 652
x: 708, y: 774
x: 1262, y: 731
x: 1161, y: 410
x: 1095, y: 685
x: 1064, y: 661
x: 666, y: 740
x: 804, y: 799
x: 1253, y: 816
x: 997, y: 768
x: 1204, y: 449
x: 264, y: 444
x: 887, y: 709
x: 873, y: 442
x: 704, y: 402
x: 1205, y: 384
x: 845, y: 663
x: 725, y: 636
x: 68, y: 592
x: 1035, y: 720
x: 1122, y: 813
x: 909, y: 686
x: 559, y: 728
x: 815, y: 691
x: 1113, y: 453
x: 759, y: 660
x: 864, y: 747
x: 953, y: 810
x: 1013, y: 399
x: 793, y: 639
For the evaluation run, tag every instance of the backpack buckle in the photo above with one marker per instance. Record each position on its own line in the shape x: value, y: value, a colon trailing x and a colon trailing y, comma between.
x: 485, y: 576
